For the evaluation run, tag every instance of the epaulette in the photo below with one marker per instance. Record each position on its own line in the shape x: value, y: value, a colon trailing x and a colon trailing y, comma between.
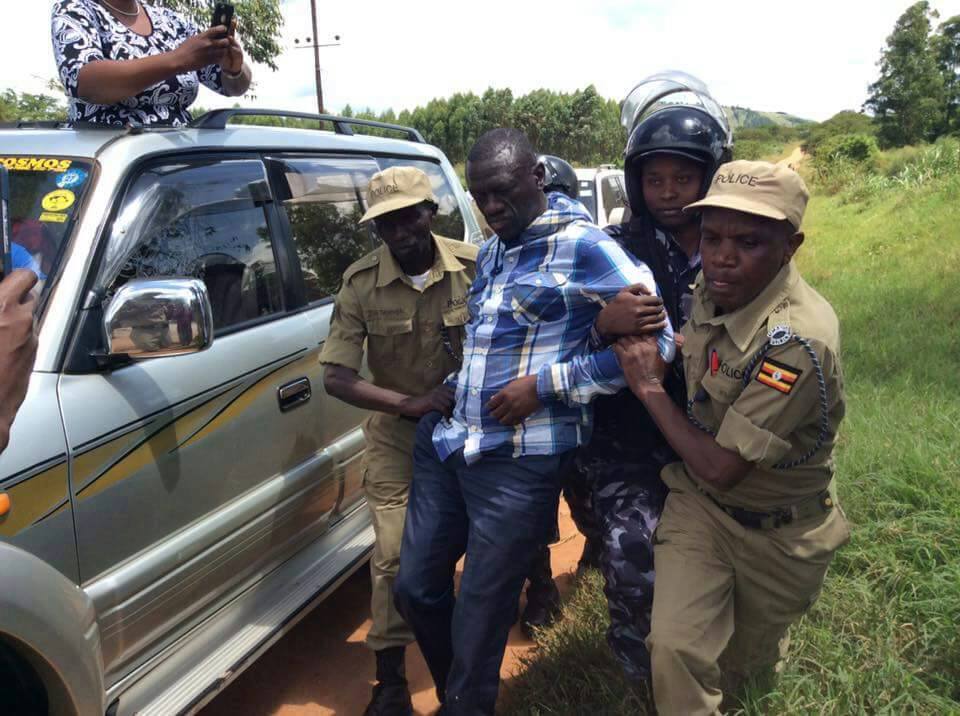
x: 460, y: 249
x: 779, y: 329
x: 361, y: 264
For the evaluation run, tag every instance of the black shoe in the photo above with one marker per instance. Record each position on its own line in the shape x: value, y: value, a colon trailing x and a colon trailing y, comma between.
x: 542, y: 610
x: 390, y: 700
x: 391, y: 695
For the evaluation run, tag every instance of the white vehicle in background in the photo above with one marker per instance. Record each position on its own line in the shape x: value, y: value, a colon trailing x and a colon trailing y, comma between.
x: 603, y: 192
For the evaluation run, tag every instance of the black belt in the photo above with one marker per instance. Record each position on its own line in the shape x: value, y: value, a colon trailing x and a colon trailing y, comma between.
x: 819, y: 504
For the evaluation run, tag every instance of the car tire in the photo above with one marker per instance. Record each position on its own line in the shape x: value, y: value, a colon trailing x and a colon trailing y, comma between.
x: 21, y: 690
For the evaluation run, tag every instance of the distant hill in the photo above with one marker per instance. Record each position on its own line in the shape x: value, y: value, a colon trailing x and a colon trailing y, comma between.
x: 742, y: 117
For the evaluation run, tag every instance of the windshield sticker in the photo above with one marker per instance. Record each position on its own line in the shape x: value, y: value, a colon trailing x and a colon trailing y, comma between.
x: 59, y: 200
x: 36, y: 164
x: 72, y: 179
x: 51, y: 218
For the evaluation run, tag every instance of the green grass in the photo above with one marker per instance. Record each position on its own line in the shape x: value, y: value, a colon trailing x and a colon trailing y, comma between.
x: 885, y: 635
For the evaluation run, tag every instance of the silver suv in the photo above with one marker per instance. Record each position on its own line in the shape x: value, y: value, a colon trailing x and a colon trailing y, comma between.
x: 180, y: 489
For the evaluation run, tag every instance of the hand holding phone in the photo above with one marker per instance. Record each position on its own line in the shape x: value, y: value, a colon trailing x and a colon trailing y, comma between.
x: 223, y: 16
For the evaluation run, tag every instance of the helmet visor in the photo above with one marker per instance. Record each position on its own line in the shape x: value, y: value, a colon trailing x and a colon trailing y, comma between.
x: 669, y: 88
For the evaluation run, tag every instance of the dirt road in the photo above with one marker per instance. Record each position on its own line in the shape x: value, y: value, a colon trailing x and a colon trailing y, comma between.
x: 794, y: 160
x: 322, y: 667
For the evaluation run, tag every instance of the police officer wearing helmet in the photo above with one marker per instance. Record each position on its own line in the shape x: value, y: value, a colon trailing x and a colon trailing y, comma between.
x: 671, y: 155
x: 750, y: 525
x: 559, y: 175
x: 404, y: 305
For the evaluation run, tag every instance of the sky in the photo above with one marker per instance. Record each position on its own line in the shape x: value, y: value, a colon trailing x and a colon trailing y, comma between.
x: 810, y: 59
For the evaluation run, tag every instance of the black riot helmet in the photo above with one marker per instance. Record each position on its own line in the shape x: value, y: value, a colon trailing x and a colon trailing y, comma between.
x: 678, y: 129
x: 560, y: 176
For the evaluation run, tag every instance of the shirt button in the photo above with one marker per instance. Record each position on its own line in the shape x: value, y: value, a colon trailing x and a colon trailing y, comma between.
x: 489, y: 319
x: 511, y: 259
x: 429, y: 364
x: 474, y: 429
x: 474, y: 391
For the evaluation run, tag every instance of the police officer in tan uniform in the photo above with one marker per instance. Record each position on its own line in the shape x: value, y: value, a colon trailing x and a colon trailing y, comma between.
x: 407, y: 301
x: 750, y: 524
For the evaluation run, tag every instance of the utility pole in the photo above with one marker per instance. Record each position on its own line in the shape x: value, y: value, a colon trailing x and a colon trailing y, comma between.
x: 314, y: 42
x: 316, y: 57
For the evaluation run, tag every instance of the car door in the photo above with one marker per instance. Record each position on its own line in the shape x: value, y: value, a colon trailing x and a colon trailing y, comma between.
x: 322, y: 198
x: 193, y: 476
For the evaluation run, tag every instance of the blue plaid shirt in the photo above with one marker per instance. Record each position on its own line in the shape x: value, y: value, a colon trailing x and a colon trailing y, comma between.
x: 532, y: 307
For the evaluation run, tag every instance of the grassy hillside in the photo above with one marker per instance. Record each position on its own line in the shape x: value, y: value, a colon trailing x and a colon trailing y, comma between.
x: 742, y: 117
x: 884, y: 636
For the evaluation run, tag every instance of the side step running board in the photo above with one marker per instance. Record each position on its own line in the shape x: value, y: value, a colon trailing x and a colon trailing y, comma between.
x: 218, y: 651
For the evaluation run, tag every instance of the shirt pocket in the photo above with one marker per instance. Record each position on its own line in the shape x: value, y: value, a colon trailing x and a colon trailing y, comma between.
x: 538, y: 298
x: 723, y: 392
x: 389, y: 339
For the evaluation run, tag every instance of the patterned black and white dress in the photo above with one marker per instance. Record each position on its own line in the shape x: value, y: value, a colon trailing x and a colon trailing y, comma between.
x: 84, y: 31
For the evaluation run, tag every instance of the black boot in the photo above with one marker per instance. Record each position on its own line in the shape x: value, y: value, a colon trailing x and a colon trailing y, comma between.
x: 391, y: 696
x: 543, y: 598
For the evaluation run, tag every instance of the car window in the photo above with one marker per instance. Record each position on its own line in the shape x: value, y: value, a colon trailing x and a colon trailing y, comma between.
x: 325, y: 200
x: 202, y: 218
x: 587, y: 198
x: 612, y: 192
x: 46, y: 195
x: 448, y: 221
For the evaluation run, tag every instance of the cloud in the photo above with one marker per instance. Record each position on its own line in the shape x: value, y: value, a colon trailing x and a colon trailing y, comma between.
x: 811, y: 59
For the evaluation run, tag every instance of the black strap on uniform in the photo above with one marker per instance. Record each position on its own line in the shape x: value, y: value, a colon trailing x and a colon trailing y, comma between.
x: 821, y: 387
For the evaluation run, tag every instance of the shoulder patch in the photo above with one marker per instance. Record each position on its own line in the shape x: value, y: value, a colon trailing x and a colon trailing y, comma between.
x: 361, y: 264
x: 779, y: 376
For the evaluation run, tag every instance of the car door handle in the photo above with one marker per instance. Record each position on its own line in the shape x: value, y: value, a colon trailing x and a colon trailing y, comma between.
x: 295, y: 394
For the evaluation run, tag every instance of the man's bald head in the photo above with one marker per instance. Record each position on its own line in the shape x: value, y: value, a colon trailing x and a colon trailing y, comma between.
x: 501, y: 144
x: 506, y: 180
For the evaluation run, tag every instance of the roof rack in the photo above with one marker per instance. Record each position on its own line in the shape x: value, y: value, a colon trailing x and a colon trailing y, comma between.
x: 218, y: 119
x: 34, y: 124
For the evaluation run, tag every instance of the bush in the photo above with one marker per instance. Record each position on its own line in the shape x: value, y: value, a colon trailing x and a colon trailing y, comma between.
x: 856, y: 147
x: 843, y: 123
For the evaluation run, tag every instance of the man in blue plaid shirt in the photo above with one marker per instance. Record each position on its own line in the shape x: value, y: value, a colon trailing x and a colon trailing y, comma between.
x: 487, y: 481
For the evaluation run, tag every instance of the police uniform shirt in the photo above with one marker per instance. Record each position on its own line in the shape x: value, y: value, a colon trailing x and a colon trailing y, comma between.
x: 413, y: 338
x: 773, y: 415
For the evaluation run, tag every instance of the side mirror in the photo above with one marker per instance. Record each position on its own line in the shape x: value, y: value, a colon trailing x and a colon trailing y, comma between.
x: 154, y: 318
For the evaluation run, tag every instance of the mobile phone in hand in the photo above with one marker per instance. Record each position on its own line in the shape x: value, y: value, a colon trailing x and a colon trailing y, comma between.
x: 222, y: 15
x: 5, y: 230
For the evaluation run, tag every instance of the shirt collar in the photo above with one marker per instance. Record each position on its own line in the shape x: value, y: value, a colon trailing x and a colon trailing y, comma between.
x: 443, y: 261
x: 743, y: 324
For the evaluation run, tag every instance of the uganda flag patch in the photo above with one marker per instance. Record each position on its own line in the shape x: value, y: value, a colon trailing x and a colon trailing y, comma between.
x: 778, y: 376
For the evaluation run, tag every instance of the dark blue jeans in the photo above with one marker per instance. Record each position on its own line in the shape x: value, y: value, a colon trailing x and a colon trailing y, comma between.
x: 498, y: 512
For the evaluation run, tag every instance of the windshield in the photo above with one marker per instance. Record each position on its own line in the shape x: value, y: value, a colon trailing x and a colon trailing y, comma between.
x: 45, y: 195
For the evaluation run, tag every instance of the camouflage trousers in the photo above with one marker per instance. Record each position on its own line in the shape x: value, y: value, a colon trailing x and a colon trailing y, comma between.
x: 628, y: 498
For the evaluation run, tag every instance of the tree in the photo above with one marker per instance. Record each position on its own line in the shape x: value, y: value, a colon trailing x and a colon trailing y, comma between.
x: 909, y: 98
x: 30, y: 107
x: 947, y: 45
x: 259, y: 22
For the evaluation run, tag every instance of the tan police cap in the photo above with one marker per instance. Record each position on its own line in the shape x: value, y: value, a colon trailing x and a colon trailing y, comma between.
x: 759, y: 188
x: 396, y: 188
